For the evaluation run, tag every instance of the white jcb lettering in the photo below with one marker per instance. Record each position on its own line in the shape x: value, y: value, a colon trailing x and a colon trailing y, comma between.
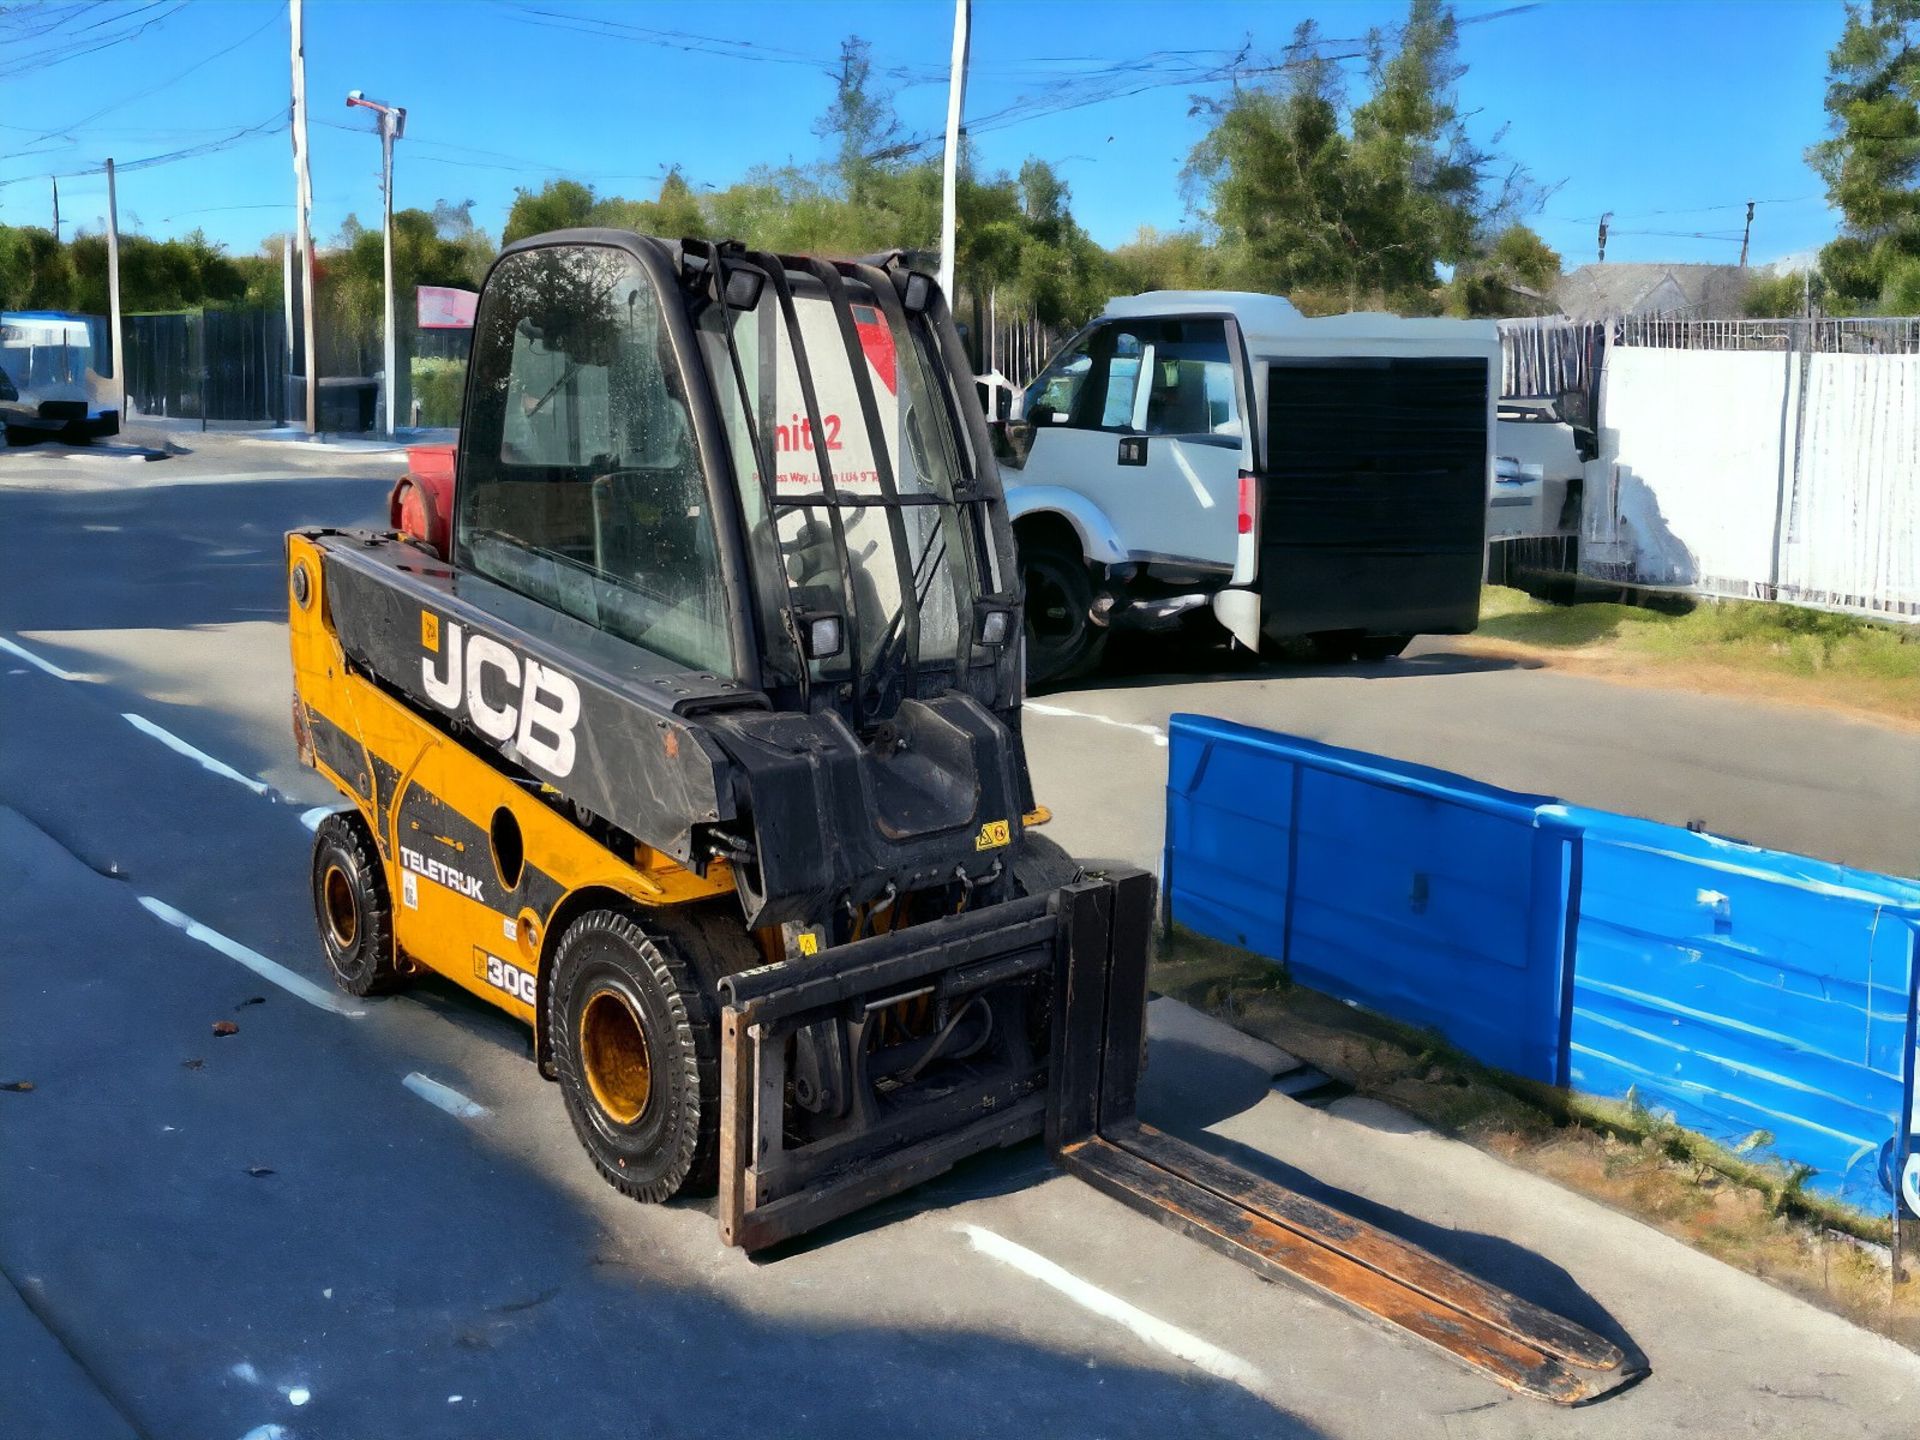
x: 444, y: 690
x: 549, y: 709
x: 538, y: 707
x: 497, y: 722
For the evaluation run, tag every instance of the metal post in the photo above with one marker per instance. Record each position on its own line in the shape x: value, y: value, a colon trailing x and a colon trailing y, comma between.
x: 113, y: 293
x: 54, y: 180
x: 393, y: 369
x: 950, y: 169
x: 304, y: 184
x: 276, y: 408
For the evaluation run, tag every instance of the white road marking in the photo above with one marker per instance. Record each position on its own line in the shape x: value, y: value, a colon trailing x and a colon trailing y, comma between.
x: 296, y: 985
x: 312, y: 818
x: 200, y: 757
x: 1154, y: 732
x: 446, y: 1097
x: 21, y: 652
x: 1201, y: 1354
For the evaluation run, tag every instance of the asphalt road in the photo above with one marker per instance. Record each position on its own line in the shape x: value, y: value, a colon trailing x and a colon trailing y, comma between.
x: 214, y: 1237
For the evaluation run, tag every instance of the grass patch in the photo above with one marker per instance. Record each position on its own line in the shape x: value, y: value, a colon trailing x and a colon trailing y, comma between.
x: 1790, y: 652
x: 1729, y: 1201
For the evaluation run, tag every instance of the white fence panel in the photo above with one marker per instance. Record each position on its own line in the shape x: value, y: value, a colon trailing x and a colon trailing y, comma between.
x: 1763, y: 474
x: 1854, y: 537
x: 1697, y: 440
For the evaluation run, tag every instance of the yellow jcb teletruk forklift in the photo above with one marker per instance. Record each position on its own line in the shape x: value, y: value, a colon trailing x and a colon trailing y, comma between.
x: 680, y: 718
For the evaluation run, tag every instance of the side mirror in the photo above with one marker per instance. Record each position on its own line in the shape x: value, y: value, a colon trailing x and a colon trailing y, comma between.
x: 1041, y: 414
x: 1574, y: 407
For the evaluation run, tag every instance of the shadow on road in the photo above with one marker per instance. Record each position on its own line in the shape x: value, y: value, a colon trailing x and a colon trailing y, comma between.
x: 1144, y: 661
x: 281, y: 1216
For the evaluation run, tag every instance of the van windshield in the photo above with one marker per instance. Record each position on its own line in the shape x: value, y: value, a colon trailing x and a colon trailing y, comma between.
x: 905, y: 593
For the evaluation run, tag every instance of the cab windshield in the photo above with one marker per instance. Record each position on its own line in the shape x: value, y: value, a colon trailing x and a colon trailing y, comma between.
x: 822, y: 482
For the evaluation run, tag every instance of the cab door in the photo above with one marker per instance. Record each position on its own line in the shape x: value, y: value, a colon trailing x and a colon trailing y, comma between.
x: 1178, y: 482
x: 1143, y: 417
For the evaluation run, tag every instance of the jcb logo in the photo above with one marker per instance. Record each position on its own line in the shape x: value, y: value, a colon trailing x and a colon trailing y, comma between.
x: 992, y: 836
x: 537, y: 713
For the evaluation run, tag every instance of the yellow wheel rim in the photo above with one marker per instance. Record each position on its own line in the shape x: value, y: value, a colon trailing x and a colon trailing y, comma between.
x: 343, y: 910
x: 614, y: 1055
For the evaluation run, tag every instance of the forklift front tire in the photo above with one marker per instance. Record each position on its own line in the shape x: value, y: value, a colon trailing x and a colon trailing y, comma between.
x: 352, y: 906
x: 635, y: 1046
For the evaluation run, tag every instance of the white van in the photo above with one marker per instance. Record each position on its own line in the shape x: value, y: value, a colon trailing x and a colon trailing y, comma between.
x: 1217, y: 458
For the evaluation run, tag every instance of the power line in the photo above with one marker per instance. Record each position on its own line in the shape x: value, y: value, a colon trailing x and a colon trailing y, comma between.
x: 59, y: 54
x: 173, y: 79
x: 272, y: 125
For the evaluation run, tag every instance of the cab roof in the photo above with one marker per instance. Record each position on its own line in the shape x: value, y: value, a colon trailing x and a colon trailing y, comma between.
x: 1273, y: 318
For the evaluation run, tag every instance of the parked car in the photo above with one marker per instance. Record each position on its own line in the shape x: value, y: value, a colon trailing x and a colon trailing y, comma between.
x: 1215, y: 460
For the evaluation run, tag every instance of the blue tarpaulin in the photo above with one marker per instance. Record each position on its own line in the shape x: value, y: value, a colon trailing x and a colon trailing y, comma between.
x: 1762, y: 998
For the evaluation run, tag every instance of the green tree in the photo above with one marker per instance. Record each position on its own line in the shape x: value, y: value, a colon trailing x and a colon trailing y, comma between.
x: 860, y: 122
x: 1340, y: 207
x: 1177, y: 260
x: 36, y: 271
x: 454, y: 224
x: 1276, y: 171
x: 1514, y: 276
x: 557, y: 205
x: 1870, y: 160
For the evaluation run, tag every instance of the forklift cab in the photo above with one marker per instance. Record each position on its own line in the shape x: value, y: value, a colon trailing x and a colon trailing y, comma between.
x: 743, y: 466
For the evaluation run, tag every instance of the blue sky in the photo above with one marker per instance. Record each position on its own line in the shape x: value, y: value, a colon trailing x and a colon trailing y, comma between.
x: 1668, y: 114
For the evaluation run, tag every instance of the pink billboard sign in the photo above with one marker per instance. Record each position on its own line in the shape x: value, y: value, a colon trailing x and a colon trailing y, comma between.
x: 443, y: 308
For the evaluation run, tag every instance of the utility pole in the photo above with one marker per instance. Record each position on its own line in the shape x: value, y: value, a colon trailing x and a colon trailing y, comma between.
x: 55, y: 179
x: 303, y: 181
x: 950, y: 171
x: 113, y: 293
x: 1746, y: 236
x: 1605, y: 220
x: 286, y: 292
x: 393, y: 124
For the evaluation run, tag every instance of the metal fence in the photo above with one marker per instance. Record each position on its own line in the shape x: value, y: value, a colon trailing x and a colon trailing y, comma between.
x: 208, y: 365
x: 1548, y: 355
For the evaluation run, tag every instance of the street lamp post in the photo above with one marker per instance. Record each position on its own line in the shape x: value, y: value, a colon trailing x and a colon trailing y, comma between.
x: 393, y: 125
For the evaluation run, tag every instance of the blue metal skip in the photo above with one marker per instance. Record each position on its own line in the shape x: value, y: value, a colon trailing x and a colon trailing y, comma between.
x: 1762, y: 998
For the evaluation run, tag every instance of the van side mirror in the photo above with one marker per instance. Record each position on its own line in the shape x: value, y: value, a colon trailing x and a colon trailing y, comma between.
x: 1574, y: 407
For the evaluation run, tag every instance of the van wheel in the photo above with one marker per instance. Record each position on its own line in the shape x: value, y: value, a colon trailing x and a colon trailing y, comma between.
x: 634, y: 1045
x: 351, y: 903
x: 1062, y: 640
x: 1380, y: 647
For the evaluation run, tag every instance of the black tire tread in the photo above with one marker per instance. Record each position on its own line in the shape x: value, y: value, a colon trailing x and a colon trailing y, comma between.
x: 1085, y: 657
x: 696, y: 1168
x: 348, y: 830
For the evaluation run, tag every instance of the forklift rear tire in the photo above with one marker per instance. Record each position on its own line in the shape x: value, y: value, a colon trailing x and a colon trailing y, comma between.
x: 351, y: 903
x: 635, y: 1047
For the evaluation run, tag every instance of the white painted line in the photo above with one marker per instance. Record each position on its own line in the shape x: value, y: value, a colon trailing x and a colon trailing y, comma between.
x: 21, y: 652
x: 1189, y: 1347
x: 199, y: 757
x: 446, y: 1097
x: 296, y: 985
x: 1155, y: 732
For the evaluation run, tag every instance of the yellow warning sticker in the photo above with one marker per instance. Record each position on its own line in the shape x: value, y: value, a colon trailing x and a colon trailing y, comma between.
x: 809, y: 942
x: 430, y: 631
x: 992, y: 836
